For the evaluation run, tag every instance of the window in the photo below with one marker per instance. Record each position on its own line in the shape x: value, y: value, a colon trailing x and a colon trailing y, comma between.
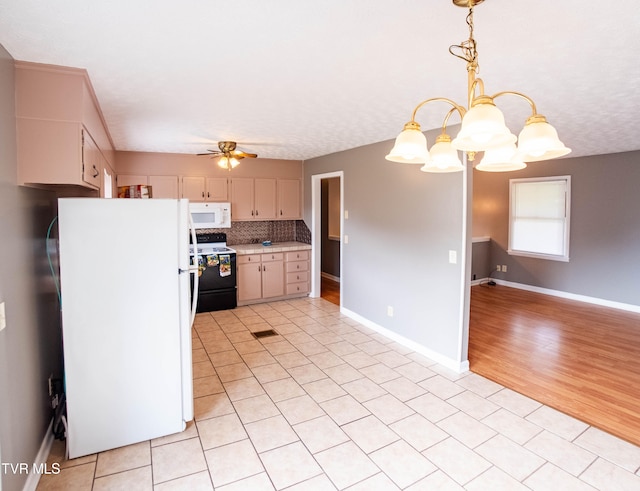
x: 539, y: 217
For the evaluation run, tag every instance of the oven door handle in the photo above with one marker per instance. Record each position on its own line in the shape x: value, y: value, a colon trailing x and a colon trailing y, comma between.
x: 193, y: 269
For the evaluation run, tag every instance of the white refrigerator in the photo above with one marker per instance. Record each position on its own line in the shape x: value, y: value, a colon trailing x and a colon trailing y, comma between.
x: 126, y: 320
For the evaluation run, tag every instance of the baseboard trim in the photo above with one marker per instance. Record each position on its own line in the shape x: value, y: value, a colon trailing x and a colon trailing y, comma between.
x: 572, y: 296
x: 330, y: 277
x: 41, y: 458
x: 458, y: 367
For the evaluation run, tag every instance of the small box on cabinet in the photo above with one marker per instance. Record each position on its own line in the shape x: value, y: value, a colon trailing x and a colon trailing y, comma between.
x: 135, y: 191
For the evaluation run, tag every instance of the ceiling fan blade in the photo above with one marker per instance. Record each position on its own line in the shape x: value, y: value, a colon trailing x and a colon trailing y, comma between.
x: 211, y: 152
x: 241, y: 154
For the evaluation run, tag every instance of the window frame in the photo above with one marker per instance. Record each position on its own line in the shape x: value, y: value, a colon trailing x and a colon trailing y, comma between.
x: 567, y: 218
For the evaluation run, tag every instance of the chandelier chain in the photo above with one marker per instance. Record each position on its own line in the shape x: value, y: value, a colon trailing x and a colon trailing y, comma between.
x: 468, y: 49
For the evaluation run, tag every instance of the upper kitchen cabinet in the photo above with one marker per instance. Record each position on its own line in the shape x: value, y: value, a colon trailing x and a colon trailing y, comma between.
x: 161, y: 186
x: 289, y: 199
x: 198, y: 188
x: 253, y: 199
x: 61, y: 135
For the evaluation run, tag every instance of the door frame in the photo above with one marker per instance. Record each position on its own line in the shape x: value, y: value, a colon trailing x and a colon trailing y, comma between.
x: 316, y: 241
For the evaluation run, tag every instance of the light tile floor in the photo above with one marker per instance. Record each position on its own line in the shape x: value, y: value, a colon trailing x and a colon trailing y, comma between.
x: 329, y: 404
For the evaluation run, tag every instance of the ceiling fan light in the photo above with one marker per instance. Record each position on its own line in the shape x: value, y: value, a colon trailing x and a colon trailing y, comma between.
x: 538, y: 140
x: 233, y: 162
x: 410, y: 146
x: 483, y: 127
x: 501, y: 159
x: 223, y: 162
x: 443, y: 157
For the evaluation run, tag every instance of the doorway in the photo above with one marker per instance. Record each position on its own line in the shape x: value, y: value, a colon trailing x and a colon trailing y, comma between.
x: 327, y: 279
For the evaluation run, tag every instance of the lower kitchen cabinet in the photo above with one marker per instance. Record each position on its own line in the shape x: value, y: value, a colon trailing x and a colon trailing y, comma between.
x: 249, y: 277
x: 260, y: 276
x: 264, y: 277
x: 297, y: 272
x: 272, y: 275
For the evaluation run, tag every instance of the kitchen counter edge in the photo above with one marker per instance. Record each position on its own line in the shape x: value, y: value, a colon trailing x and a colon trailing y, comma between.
x: 277, y: 247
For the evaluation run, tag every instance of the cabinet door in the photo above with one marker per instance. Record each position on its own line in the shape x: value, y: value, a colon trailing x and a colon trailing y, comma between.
x: 249, y: 278
x: 289, y: 202
x: 91, y: 161
x: 217, y: 189
x: 272, y: 279
x: 193, y: 188
x: 265, y: 199
x: 164, y: 186
x: 242, y: 199
x: 131, y: 180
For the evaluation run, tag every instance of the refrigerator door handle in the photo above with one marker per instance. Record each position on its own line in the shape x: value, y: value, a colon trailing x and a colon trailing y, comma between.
x: 193, y: 269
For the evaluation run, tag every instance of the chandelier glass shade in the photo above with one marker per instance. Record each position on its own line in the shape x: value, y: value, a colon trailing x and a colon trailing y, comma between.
x: 501, y: 159
x: 410, y: 146
x: 443, y: 157
x: 483, y: 127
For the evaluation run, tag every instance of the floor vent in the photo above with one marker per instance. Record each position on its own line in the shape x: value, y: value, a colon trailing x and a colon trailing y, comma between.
x: 264, y: 334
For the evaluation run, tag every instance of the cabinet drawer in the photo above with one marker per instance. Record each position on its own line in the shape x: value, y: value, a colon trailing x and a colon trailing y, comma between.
x: 297, y: 277
x: 248, y: 258
x: 276, y: 256
x: 293, y: 288
x: 298, y: 255
x: 293, y: 266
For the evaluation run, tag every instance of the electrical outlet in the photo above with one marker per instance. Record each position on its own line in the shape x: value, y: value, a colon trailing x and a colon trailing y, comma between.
x: 390, y: 311
x: 346, y: 239
x: 499, y: 268
x: 346, y: 214
x: 504, y: 268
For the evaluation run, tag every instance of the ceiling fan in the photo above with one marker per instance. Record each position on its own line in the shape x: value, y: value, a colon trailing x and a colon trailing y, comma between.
x: 229, y: 156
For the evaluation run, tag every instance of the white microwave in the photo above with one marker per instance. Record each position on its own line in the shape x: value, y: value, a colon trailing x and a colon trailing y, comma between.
x: 210, y: 215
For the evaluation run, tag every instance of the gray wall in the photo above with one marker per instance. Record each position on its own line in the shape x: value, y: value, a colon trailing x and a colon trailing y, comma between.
x: 30, y: 346
x: 402, y: 224
x: 605, y: 227
x: 480, y: 265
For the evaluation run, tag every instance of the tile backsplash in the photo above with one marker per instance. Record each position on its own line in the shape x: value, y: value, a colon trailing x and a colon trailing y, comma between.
x: 256, y: 232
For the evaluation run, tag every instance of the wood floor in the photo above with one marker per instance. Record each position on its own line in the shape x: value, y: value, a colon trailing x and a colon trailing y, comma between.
x: 581, y: 359
x: 330, y: 290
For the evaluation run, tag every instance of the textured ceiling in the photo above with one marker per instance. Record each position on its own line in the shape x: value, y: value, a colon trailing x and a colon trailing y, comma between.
x: 295, y: 79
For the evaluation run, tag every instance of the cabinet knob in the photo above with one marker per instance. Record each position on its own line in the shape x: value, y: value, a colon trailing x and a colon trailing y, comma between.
x: 256, y: 212
x: 297, y: 266
x: 280, y: 212
x: 208, y: 194
x: 252, y: 213
x: 203, y: 194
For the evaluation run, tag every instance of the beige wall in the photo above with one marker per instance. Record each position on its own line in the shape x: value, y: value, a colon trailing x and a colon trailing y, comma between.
x: 163, y: 164
x: 30, y: 345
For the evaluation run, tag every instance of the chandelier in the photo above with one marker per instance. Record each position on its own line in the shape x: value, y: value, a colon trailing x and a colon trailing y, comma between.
x: 483, y: 127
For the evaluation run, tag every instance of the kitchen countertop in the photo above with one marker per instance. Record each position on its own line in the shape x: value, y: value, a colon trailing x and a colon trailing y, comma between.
x: 276, y: 247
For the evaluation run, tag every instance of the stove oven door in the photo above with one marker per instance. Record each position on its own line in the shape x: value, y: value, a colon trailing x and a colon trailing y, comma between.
x: 217, y: 281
